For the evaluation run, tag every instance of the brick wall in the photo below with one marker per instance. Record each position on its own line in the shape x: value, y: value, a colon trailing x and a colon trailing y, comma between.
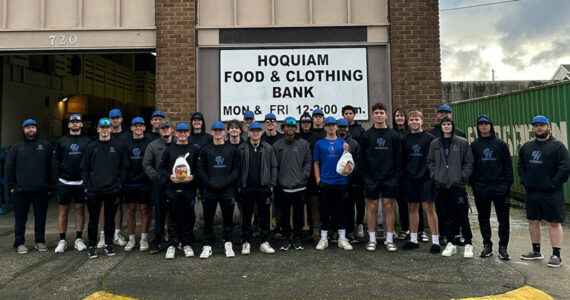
x: 176, y: 58
x: 415, y: 56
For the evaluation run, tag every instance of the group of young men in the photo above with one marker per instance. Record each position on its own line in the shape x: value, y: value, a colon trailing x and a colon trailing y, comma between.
x: 253, y: 167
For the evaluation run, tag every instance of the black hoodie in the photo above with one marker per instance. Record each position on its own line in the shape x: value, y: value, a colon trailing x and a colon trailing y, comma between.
x: 544, y: 166
x: 135, y: 149
x: 492, y: 161
x: 406, y: 130
x: 104, y: 167
x: 218, y: 169
x: 381, y: 157
x: 28, y: 165
x: 67, y: 156
x: 415, y: 148
x: 356, y: 131
x: 201, y: 139
x: 169, y: 157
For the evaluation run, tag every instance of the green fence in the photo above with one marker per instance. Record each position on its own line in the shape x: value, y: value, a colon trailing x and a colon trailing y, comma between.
x: 512, y: 113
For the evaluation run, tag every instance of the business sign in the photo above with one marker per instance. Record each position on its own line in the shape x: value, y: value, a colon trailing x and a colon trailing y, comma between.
x: 290, y: 82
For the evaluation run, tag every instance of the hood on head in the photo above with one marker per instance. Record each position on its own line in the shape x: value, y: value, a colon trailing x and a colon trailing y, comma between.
x: 446, y: 119
x: 490, y: 122
x: 394, y: 125
x: 198, y: 115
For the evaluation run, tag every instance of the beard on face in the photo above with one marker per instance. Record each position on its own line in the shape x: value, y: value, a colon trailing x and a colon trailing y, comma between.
x: 542, y: 136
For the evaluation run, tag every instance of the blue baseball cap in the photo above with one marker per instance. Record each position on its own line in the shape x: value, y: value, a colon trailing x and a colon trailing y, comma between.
x: 444, y: 107
x: 342, y: 122
x: 290, y: 121
x: 75, y: 117
x: 318, y: 111
x: 248, y: 115
x: 104, y: 122
x: 115, y: 112
x: 330, y: 120
x: 218, y: 125
x: 29, y: 122
x: 540, y: 119
x: 182, y: 126
x: 483, y: 119
x: 270, y: 116
x: 137, y: 120
x: 255, y: 125
x: 158, y: 113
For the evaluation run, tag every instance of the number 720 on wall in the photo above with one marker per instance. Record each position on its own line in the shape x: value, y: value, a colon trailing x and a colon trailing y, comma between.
x: 63, y: 40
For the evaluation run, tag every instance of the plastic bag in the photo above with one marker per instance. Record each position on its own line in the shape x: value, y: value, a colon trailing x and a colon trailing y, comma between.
x: 181, y: 168
x: 345, y: 164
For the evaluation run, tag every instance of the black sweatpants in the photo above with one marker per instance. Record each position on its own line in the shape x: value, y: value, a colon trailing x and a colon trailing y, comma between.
x: 94, y: 203
x: 21, y: 203
x: 455, y: 209
x: 158, y: 196
x: 297, y: 200
x: 182, y: 217
x: 249, y: 198
x: 210, y: 203
x: 332, y: 203
x: 355, y: 199
x: 484, y: 196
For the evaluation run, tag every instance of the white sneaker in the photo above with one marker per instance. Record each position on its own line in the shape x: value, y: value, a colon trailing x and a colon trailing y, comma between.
x: 143, y: 245
x: 80, y: 245
x: 229, y: 249
x: 101, y: 243
x: 323, y: 244
x: 61, y: 246
x: 468, y: 252
x: 130, y: 245
x: 450, y: 250
x: 245, y: 248
x: 344, y: 244
x: 119, y: 240
x: 170, y: 252
x: 266, y: 248
x: 206, y: 252
x: 188, y: 252
x: 360, y: 231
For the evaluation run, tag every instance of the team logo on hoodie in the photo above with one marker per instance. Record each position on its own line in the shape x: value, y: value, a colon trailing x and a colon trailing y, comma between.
x: 536, y: 157
x: 74, y: 149
x: 381, y: 142
x: 488, y: 154
x: 40, y: 147
x: 219, y: 162
x: 112, y: 149
x: 136, y: 153
x: 416, y: 148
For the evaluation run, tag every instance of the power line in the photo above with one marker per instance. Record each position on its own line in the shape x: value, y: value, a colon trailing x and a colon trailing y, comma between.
x: 478, y: 5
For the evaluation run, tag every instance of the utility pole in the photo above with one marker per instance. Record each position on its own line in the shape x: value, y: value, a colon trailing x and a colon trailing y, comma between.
x: 493, y: 74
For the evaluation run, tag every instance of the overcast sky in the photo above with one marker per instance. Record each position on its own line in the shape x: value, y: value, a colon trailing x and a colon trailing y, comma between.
x: 524, y: 40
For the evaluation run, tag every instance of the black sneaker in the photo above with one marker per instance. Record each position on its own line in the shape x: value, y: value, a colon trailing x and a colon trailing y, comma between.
x: 435, y: 249
x: 532, y: 255
x: 334, y: 238
x: 154, y: 247
x: 92, y: 252
x: 459, y: 240
x: 554, y: 261
x: 503, y: 254
x: 285, y: 246
x: 109, y: 250
x: 409, y: 245
x: 351, y: 238
x: 487, y: 251
x: 442, y: 241
x: 298, y: 245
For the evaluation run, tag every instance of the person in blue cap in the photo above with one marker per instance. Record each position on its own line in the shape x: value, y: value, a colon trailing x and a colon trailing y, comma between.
x: 248, y: 118
x: 28, y: 179
x: 443, y: 111
x: 218, y: 169
x: 181, y: 193
x: 156, y: 118
x: 294, y: 167
x: 137, y: 187
x: 491, y: 182
x: 271, y: 135
x: 116, y: 117
x: 333, y: 187
x: 317, y: 133
x: 104, y: 170
x: 258, y: 177
x: 544, y: 167
x: 69, y: 186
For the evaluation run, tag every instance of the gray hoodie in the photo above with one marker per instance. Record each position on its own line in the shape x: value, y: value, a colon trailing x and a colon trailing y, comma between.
x: 152, y: 157
x: 294, y: 163
x: 454, y: 170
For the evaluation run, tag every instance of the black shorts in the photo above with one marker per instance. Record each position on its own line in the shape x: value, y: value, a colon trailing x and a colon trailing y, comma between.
x: 373, y: 189
x: 66, y: 193
x: 417, y: 190
x: 545, y: 205
x: 138, y: 194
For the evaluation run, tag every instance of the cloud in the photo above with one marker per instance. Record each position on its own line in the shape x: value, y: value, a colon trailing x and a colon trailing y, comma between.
x: 464, y: 64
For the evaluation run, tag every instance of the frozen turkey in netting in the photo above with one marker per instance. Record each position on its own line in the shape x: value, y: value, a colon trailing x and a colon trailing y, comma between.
x: 181, y: 168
